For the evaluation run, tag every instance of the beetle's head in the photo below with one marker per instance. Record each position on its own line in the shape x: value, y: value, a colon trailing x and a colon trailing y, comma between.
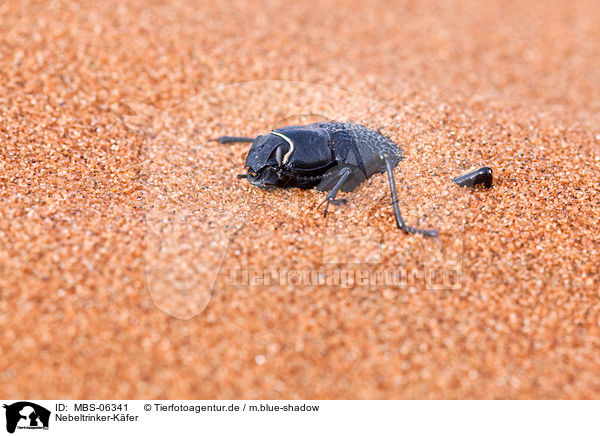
x: 266, y: 159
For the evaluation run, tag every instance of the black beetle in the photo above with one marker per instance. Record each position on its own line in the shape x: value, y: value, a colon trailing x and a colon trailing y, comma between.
x: 329, y: 156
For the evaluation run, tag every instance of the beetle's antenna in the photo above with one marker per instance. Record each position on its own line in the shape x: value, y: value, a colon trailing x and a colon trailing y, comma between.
x: 399, y: 221
x: 242, y: 176
x: 232, y: 139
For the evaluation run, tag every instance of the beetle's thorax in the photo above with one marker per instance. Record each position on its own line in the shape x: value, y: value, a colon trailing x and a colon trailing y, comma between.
x: 309, y: 147
x: 289, y: 156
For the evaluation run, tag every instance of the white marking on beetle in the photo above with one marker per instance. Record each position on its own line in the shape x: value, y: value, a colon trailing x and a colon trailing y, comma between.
x: 287, y: 156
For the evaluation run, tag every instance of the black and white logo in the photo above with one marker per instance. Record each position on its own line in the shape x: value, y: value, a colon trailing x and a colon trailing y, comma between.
x: 26, y: 415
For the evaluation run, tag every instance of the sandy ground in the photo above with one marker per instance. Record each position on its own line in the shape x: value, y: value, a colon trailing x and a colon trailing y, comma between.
x: 125, y: 236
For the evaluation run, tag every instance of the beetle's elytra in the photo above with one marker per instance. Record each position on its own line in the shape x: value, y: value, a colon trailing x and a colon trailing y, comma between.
x: 330, y: 156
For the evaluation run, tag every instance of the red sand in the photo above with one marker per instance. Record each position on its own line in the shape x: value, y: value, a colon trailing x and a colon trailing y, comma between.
x: 86, y: 200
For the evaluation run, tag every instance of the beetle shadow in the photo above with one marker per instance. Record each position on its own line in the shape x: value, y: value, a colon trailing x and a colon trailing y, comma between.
x: 206, y: 230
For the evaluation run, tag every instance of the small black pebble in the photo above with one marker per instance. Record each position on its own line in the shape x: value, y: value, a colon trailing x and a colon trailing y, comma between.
x: 482, y: 176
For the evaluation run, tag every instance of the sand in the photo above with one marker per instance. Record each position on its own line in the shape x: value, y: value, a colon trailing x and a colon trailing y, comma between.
x: 125, y: 236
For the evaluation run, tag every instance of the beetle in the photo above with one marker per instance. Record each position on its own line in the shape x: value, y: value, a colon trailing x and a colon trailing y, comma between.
x: 330, y: 156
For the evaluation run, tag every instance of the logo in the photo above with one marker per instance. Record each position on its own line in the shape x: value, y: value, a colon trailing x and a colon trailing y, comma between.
x: 26, y: 415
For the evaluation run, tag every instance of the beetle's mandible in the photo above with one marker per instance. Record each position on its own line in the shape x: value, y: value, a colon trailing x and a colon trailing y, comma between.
x: 330, y: 156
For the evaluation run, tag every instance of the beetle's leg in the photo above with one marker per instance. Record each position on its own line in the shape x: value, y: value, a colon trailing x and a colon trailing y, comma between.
x: 399, y: 221
x: 233, y: 139
x: 330, y: 198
